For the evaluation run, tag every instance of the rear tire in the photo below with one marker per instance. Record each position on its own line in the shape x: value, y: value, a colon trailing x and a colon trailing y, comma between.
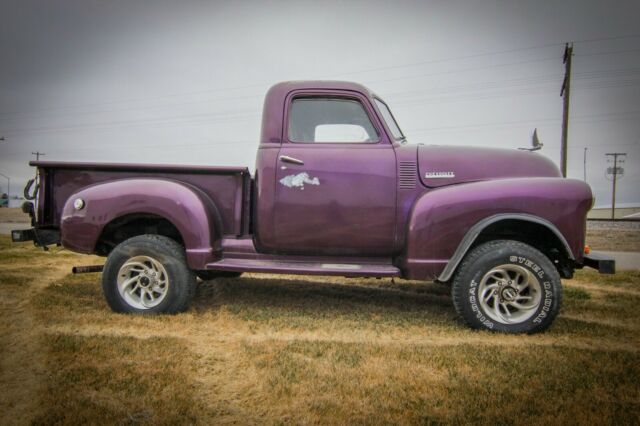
x: 507, y: 286
x: 148, y: 274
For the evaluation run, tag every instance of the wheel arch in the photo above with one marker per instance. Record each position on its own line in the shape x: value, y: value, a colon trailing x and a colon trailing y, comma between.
x: 131, y: 225
x: 529, y: 229
x: 170, y: 208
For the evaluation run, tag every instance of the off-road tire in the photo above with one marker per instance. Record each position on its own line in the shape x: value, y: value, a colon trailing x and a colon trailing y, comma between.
x: 508, y: 255
x: 212, y: 275
x: 181, y: 285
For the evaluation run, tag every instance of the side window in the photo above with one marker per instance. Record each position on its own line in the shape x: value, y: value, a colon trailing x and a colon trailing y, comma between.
x: 330, y: 120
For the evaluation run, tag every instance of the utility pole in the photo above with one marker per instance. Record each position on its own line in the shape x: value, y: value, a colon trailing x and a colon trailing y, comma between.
x: 38, y: 154
x: 584, y: 166
x: 565, y: 92
x: 8, y: 180
x: 615, y: 172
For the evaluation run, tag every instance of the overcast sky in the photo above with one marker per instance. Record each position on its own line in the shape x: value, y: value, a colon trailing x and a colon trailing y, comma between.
x: 183, y: 81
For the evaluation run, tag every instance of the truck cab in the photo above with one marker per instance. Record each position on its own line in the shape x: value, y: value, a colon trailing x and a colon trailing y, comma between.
x: 326, y: 173
x: 337, y: 190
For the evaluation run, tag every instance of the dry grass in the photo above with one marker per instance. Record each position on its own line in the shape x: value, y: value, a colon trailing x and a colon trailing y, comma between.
x: 270, y: 349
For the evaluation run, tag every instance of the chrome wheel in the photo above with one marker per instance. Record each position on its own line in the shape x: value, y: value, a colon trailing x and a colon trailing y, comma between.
x: 143, y: 282
x: 509, y: 294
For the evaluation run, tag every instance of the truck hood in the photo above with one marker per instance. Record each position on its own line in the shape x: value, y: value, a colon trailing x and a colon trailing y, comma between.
x: 448, y: 165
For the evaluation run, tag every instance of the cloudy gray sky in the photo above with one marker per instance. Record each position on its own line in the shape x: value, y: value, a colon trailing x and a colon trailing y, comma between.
x: 183, y: 81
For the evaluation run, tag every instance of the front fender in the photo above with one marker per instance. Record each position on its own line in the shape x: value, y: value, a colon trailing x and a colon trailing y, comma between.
x: 192, y: 213
x: 440, y: 219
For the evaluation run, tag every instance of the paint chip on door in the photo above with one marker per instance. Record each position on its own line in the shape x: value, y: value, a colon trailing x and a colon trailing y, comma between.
x: 298, y: 181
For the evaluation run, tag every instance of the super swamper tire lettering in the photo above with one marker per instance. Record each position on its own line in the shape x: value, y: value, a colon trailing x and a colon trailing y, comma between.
x: 148, y: 274
x: 507, y: 286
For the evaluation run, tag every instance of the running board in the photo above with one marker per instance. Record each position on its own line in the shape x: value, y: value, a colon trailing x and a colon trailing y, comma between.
x: 306, y: 268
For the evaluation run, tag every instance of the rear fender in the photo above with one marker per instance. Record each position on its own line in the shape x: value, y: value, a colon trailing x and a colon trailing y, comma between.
x: 193, y: 213
x: 445, y: 222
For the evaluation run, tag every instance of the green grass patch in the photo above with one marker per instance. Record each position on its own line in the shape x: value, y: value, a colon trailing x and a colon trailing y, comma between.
x: 575, y: 293
x: 621, y: 279
x: 12, y: 278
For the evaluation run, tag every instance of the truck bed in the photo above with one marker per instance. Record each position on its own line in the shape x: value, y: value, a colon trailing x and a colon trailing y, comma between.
x: 228, y: 187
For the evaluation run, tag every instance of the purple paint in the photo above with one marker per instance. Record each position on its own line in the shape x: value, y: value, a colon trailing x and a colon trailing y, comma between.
x: 362, y: 209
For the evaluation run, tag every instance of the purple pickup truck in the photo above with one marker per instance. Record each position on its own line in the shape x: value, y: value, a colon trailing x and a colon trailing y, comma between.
x: 336, y: 191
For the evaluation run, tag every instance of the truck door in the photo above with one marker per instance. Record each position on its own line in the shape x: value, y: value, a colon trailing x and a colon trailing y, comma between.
x: 335, y: 178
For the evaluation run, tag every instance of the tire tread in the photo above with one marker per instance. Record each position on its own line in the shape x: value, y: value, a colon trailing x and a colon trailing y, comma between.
x: 458, y: 294
x: 184, y: 284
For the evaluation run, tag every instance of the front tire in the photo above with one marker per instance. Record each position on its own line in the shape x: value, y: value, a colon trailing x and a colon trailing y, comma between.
x: 507, y: 286
x: 148, y: 274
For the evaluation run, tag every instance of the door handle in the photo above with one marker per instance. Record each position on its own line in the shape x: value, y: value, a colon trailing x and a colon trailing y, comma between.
x: 287, y: 159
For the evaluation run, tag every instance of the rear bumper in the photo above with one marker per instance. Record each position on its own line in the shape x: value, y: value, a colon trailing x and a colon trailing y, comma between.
x: 604, y: 264
x: 40, y: 237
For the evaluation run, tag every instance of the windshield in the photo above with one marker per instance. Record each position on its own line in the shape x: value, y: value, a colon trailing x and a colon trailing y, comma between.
x: 388, y: 118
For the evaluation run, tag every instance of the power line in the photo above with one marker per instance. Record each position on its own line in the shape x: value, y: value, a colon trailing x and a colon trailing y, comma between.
x: 441, y: 91
x: 141, y: 108
x: 463, y: 70
x: 136, y: 100
x: 477, y: 55
x: 457, y: 128
x: 183, y: 119
x: 582, y: 55
x: 255, y: 85
x: 38, y: 154
x: 216, y: 118
x: 456, y: 71
x: 212, y: 100
x: 527, y: 122
x: 459, y: 58
x: 591, y: 40
x: 465, y: 88
x: 506, y: 90
x: 593, y: 74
